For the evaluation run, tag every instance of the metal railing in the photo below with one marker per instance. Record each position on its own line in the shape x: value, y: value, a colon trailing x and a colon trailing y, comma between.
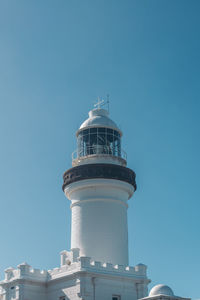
x: 98, y: 150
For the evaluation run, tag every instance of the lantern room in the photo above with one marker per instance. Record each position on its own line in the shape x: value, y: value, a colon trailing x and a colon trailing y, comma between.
x: 98, y: 136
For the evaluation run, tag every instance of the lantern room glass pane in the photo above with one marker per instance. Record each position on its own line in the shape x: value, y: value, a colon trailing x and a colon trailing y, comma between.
x: 101, y: 130
x: 93, y: 130
x: 109, y: 131
x: 99, y: 141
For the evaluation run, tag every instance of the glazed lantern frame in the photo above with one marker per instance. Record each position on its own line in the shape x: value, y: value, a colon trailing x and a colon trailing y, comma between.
x: 99, y: 140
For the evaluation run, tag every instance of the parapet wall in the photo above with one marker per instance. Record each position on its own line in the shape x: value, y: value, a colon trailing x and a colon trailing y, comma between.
x: 138, y: 270
x: 86, y: 264
x: 24, y: 271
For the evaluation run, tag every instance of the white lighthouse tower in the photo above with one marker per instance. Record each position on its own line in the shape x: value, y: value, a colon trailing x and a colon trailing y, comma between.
x: 99, y: 186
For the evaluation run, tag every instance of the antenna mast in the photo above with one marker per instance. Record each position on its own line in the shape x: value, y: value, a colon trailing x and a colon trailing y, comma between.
x: 101, y: 102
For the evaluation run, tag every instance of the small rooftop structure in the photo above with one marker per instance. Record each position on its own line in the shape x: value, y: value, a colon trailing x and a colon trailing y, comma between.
x: 162, y: 292
x: 161, y: 289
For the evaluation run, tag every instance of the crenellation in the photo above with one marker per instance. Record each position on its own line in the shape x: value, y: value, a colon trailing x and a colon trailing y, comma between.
x: 130, y: 269
x: 141, y: 269
x: 97, y: 264
x: 85, y: 261
x: 37, y: 273
x: 119, y: 268
x: 27, y: 272
x: 10, y: 273
x: 65, y: 269
x: 138, y: 270
x: 68, y: 257
x: 108, y: 266
x: 24, y: 269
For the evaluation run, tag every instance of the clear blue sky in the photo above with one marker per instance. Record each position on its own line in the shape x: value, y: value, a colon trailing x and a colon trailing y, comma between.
x: 56, y: 58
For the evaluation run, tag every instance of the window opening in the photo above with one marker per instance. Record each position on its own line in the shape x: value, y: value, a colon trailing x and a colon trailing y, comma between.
x: 116, y: 297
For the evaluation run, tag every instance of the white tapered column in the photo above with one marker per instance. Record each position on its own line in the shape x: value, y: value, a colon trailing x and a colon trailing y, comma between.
x: 99, y: 218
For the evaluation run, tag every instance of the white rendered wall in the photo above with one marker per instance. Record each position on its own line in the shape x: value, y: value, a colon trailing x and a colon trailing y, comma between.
x: 118, y: 287
x: 26, y: 290
x: 33, y: 291
x: 82, y: 279
x: 63, y: 288
x: 99, y: 219
x: 95, y: 287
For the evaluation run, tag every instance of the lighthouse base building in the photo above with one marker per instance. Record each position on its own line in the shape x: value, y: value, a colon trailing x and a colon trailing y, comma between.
x: 99, y: 185
x: 79, y: 279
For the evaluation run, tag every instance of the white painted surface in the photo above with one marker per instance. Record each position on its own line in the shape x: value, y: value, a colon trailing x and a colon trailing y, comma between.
x: 82, y: 279
x: 96, y: 267
x: 99, y: 219
x: 162, y: 292
x: 98, y: 118
x: 99, y: 159
x: 161, y: 289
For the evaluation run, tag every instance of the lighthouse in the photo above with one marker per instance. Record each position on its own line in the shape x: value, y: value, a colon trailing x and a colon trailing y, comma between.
x: 99, y: 186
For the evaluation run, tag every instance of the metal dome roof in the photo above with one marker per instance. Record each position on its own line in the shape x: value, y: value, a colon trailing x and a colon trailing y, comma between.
x: 161, y: 289
x: 98, y: 117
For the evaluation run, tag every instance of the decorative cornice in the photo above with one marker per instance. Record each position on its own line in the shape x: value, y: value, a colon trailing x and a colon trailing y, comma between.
x: 106, y: 171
